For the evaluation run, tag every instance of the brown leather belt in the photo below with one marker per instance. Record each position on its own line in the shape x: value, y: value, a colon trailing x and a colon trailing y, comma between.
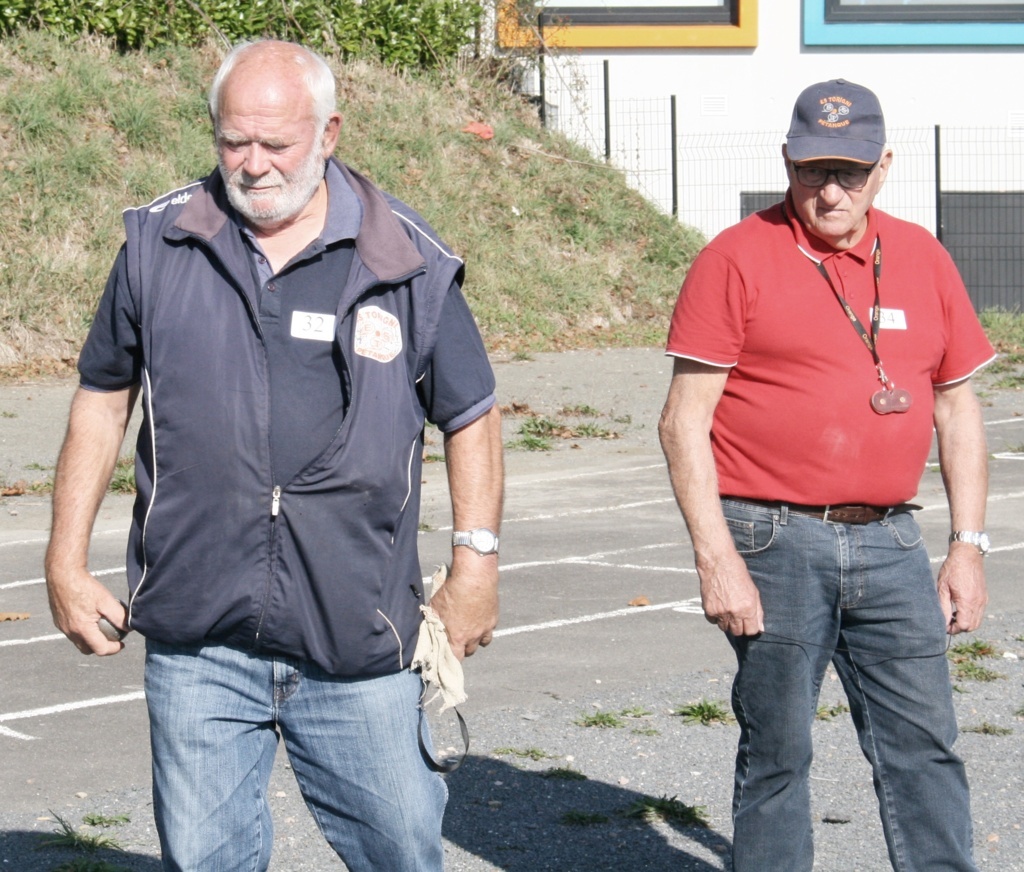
x: 840, y: 514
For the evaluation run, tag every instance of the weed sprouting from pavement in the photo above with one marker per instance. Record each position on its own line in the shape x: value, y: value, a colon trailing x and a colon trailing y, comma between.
x: 971, y: 671
x: 827, y: 712
x: 104, y: 820
x: 604, y: 720
x: 665, y: 809
x: 975, y: 649
x: 531, y: 753
x: 987, y: 729
x: 705, y: 712
x: 583, y: 818
x: 563, y: 773
x: 66, y: 836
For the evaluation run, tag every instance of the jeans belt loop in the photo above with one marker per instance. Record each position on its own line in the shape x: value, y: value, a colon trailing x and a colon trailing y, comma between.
x: 824, y: 517
x: 783, y: 514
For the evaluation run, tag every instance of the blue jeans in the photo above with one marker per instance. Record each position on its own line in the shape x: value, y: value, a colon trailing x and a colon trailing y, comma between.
x: 215, y: 713
x: 862, y: 597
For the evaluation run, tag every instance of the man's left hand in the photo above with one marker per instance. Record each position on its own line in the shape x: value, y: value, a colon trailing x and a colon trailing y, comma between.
x: 962, y: 591
x: 467, y: 603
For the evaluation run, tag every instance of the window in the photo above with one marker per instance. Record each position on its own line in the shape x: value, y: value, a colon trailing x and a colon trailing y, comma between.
x: 619, y: 24
x: 913, y: 22
x: 923, y: 11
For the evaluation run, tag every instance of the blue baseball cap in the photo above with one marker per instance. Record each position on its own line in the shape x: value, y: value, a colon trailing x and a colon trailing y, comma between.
x: 836, y: 119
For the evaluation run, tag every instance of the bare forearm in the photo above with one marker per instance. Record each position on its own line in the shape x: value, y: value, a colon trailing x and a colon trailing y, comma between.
x: 476, y: 472
x: 95, y: 430
x: 468, y: 601
x: 963, y: 457
x: 728, y: 594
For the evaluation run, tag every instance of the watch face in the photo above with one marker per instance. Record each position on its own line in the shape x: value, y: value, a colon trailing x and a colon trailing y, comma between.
x: 983, y: 543
x: 482, y: 541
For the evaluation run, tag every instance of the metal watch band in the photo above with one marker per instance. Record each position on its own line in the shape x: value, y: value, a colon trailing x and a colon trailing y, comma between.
x: 481, y: 540
x: 979, y: 539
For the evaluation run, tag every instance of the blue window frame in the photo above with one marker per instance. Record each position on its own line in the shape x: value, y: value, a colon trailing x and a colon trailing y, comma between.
x: 913, y: 22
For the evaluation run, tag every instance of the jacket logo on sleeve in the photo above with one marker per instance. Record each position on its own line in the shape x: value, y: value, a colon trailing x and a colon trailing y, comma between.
x: 378, y: 334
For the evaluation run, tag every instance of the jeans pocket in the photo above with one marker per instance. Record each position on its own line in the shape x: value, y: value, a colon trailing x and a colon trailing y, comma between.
x: 751, y: 535
x: 905, y: 531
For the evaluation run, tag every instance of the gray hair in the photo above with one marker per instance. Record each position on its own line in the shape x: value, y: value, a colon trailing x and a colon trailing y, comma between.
x: 316, y: 75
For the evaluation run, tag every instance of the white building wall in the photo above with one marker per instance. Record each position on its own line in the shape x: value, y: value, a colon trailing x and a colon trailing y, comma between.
x: 751, y: 92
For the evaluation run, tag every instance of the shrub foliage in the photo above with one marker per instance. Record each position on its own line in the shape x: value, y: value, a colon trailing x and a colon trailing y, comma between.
x: 402, y: 33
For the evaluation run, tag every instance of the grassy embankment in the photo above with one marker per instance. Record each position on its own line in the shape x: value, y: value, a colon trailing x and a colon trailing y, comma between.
x: 560, y: 252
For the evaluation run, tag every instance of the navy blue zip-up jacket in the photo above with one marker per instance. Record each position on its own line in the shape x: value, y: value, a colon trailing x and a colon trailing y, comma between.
x: 323, y: 567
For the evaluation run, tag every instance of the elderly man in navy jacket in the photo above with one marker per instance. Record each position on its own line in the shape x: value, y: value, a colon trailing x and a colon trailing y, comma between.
x: 290, y: 329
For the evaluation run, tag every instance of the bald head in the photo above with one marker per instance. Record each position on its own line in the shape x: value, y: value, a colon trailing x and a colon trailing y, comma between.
x: 286, y: 64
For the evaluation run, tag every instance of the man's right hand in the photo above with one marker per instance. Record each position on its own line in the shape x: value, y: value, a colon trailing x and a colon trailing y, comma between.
x: 729, y: 596
x: 77, y: 602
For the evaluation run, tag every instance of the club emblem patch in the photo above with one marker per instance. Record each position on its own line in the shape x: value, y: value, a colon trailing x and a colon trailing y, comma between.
x: 378, y: 334
x: 835, y: 110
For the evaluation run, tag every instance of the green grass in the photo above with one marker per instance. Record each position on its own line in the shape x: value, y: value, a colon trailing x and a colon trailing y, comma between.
x: 667, y: 809
x: 975, y: 649
x: 604, y: 720
x: 987, y: 729
x: 530, y: 753
x: 827, y: 713
x: 636, y: 711
x: 66, y: 836
x: 969, y: 670
x: 88, y: 864
x: 563, y: 773
x: 123, y: 479
x: 539, y: 432
x: 583, y: 818
x: 705, y: 712
x: 103, y: 820
x: 560, y: 252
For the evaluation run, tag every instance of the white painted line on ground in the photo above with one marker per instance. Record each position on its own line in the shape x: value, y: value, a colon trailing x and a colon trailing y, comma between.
x: 570, y: 476
x: 14, y: 734
x: 1018, y: 420
x: 67, y: 707
x: 7, y: 642
x: 45, y: 539
x: 679, y: 605
x: 27, y: 581
x: 1016, y: 546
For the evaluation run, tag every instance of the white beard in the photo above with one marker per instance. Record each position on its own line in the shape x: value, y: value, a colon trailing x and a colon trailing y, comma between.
x: 266, y: 208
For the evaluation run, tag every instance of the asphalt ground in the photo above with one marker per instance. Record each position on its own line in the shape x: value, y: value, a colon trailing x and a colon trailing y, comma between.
x: 590, y: 532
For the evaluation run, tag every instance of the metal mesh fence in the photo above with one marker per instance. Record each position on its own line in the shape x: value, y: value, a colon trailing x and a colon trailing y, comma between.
x: 966, y: 185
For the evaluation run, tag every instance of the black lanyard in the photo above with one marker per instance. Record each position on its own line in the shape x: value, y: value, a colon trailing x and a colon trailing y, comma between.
x: 869, y: 339
x: 889, y: 398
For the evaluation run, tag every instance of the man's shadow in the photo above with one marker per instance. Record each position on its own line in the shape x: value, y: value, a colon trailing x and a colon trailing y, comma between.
x: 541, y: 821
x: 27, y: 851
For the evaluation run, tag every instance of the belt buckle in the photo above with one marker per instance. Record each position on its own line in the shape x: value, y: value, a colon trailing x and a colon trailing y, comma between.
x: 853, y: 514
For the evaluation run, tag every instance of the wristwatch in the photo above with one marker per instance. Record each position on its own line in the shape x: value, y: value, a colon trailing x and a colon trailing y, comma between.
x: 978, y: 540
x: 481, y: 540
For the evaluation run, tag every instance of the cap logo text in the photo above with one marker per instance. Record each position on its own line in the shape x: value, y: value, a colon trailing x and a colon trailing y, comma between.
x: 835, y: 109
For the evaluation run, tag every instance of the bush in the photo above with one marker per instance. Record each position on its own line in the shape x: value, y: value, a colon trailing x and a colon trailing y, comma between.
x: 401, y: 33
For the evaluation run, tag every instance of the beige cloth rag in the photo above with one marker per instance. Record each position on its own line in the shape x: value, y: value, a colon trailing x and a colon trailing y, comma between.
x: 438, y: 665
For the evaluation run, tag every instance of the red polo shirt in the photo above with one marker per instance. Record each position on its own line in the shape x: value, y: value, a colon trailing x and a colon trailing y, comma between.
x: 795, y: 422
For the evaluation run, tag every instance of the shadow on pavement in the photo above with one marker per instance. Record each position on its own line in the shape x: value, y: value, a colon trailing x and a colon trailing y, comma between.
x: 26, y: 851
x: 521, y: 819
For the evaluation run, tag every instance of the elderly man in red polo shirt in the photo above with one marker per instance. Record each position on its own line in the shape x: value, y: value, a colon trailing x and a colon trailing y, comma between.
x: 816, y: 343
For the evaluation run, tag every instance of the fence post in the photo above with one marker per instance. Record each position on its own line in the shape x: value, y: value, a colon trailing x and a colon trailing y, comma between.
x: 675, y: 159
x: 607, y: 114
x: 938, y: 184
x: 540, y: 73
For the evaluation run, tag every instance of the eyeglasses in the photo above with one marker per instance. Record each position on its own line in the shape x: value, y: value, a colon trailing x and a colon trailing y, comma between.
x: 847, y: 179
